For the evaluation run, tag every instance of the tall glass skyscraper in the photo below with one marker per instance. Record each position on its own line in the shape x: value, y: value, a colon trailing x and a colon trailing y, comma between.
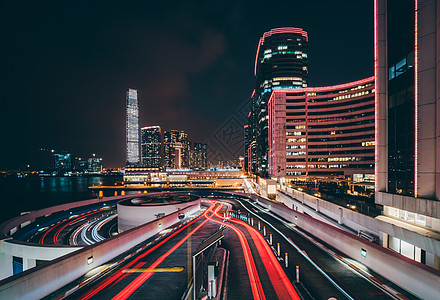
x: 280, y: 62
x: 132, y: 128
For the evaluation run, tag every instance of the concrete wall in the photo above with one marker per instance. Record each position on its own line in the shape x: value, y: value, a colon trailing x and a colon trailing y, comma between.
x: 30, y: 254
x: 308, y: 210
x: 415, y: 277
x: 421, y: 206
x: 133, y: 216
x: 43, y: 280
x: 381, y: 71
x: 347, y: 217
x: 353, y: 220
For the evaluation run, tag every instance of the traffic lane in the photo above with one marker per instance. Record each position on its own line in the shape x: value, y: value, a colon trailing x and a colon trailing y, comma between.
x: 91, y: 230
x: 172, y: 285
x: 238, y: 281
x: 238, y: 285
x: 27, y: 232
x: 266, y: 282
x: 64, y: 236
x: 125, y: 258
x: 270, y: 274
x: 117, y: 285
x: 361, y: 287
x: 352, y: 282
x: 312, y: 283
x: 109, y: 229
x: 278, y: 278
x: 56, y: 233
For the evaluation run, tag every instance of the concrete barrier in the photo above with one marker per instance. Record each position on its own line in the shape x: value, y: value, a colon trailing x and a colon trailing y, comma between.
x: 42, y: 280
x: 130, y: 216
x: 416, y: 278
x: 357, y: 222
x: 30, y: 253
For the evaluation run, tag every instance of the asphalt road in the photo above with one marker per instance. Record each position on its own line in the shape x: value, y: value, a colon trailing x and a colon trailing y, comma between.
x: 313, y: 284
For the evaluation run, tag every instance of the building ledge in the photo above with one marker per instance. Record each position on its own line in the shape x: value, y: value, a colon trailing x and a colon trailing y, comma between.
x: 411, y: 227
x: 421, y: 206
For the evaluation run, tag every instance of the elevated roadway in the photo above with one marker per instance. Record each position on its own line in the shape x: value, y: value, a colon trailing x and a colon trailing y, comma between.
x: 255, y: 272
x: 265, y: 250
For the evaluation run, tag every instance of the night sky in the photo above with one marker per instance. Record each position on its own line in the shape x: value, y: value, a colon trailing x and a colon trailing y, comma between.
x: 66, y: 67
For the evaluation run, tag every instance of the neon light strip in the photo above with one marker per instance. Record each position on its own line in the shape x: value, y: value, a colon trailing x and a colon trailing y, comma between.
x: 416, y: 100
x: 285, y: 30
x: 376, y: 99
x: 327, y: 88
x: 276, y: 31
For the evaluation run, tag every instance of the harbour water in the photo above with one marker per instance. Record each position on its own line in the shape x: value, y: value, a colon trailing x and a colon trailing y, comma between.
x: 33, y: 192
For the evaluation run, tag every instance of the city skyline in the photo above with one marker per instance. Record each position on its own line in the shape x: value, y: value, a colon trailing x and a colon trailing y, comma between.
x: 71, y: 74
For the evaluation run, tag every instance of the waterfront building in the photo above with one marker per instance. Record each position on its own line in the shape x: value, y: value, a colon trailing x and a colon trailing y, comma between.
x: 280, y: 63
x: 62, y: 162
x: 407, y: 102
x: 132, y: 128
x: 94, y: 164
x: 152, y: 147
x: 175, y: 149
x: 323, y: 133
x: 82, y: 164
x: 199, y: 156
x: 224, y: 179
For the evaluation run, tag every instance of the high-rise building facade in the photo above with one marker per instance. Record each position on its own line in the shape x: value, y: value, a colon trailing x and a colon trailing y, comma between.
x: 281, y: 62
x: 407, y: 68
x: 132, y: 129
x: 247, y: 141
x: 94, y: 164
x: 151, y: 147
x: 323, y: 132
x: 198, y: 154
x: 176, y: 149
x: 63, y: 162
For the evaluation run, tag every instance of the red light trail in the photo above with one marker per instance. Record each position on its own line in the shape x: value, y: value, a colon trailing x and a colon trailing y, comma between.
x: 277, y: 276
x: 282, y: 285
x: 257, y: 289
x: 135, y: 284
x: 55, y: 239
x: 117, y: 276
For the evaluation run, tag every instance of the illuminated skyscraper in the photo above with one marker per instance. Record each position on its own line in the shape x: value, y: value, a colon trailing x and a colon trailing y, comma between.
x: 151, y: 147
x: 176, y: 149
x: 323, y: 133
x: 132, y: 129
x: 198, y: 156
x: 94, y: 164
x: 280, y: 63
